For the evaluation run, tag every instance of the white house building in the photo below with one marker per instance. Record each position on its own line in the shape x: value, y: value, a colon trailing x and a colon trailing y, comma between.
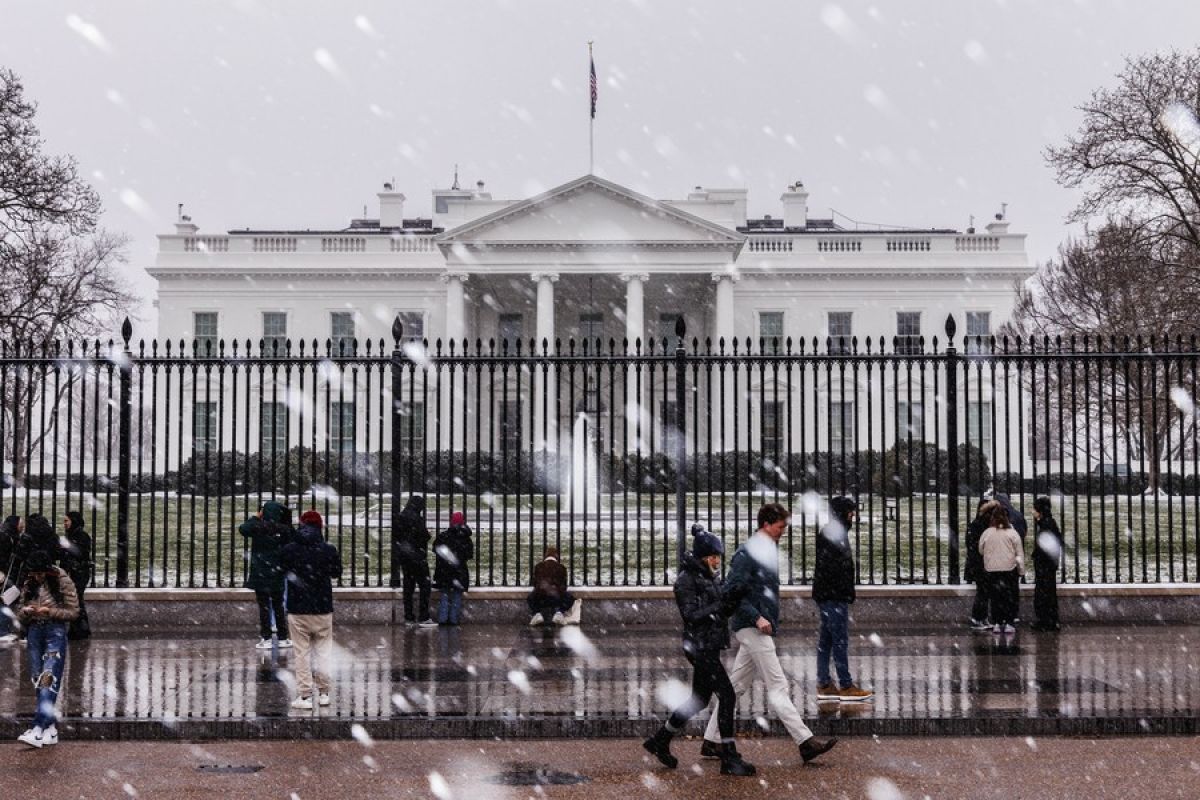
x: 589, y: 259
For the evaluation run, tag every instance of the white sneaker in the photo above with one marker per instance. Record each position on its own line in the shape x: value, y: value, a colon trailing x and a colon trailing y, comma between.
x: 1009, y: 629
x: 8, y: 638
x: 997, y: 629
x: 303, y: 703
x: 285, y: 643
x: 323, y: 699
x: 558, y: 618
x: 50, y: 736
x: 31, y: 737
x: 536, y: 619
x: 263, y: 644
x: 426, y: 623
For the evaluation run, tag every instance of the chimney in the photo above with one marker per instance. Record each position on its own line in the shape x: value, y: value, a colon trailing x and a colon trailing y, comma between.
x: 795, y: 206
x: 183, y: 223
x: 391, y: 207
x: 999, y: 227
x: 480, y: 194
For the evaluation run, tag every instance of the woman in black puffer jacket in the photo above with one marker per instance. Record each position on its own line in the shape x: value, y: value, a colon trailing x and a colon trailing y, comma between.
x: 705, y: 609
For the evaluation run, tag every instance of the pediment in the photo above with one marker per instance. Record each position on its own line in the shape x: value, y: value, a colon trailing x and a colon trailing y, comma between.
x: 591, y: 210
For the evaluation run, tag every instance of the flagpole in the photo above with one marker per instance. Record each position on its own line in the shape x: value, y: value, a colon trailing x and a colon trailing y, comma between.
x: 592, y: 112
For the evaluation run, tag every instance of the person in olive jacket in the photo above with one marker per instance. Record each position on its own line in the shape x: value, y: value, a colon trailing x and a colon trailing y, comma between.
x: 833, y: 591
x: 77, y: 561
x: 705, y: 611
x: 451, y: 575
x: 268, y: 533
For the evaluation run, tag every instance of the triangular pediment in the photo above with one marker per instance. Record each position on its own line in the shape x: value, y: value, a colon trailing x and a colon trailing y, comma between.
x: 591, y: 210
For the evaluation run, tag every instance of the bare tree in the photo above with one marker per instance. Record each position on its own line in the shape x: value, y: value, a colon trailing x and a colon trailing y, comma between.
x: 1138, y: 151
x: 59, y: 273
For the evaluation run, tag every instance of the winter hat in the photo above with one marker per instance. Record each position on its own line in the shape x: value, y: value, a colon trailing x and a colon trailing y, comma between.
x: 704, y: 543
x: 38, y: 561
x: 842, y: 507
x: 1042, y: 506
x: 311, y: 517
x: 458, y: 518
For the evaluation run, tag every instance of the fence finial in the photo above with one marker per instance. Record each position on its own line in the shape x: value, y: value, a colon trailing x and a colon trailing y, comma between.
x: 126, y: 331
x: 680, y: 326
x: 397, y: 330
x: 951, y: 327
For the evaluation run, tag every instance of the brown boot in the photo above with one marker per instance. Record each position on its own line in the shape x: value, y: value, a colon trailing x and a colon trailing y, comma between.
x: 812, y: 747
x: 855, y: 694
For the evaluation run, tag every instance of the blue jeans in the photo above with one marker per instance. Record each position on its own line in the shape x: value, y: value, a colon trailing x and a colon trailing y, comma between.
x: 47, y: 646
x: 450, y: 606
x: 834, y: 639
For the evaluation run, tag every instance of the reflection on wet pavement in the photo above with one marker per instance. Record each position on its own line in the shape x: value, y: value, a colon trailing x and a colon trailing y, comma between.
x: 629, y: 673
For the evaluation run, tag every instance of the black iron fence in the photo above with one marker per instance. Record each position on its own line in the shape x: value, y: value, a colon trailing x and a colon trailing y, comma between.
x: 597, y: 447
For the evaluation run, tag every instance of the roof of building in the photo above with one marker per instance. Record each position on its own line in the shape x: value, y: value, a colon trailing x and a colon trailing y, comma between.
x: 826, y: 226
x: 412, y: 227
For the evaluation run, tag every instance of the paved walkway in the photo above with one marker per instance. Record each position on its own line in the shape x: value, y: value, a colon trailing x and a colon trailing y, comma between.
x: 483, y: 681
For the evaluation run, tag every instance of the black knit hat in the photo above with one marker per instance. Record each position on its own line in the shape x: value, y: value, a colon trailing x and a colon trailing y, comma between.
x: 842, y: 507
x: 705, y: 543
x: 1043, y: 506
x: 38, y: 561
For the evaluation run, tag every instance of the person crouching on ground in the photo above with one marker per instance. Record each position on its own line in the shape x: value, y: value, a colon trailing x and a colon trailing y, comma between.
x: 451, y: 575
x: 705, y: 611
x: 833, y: 591
x: 549, y: 601
x: 46, y: 606
x: 311, y: 565
x: 1047, y: 552
x: 1004, y: 561
x: 268, y: 533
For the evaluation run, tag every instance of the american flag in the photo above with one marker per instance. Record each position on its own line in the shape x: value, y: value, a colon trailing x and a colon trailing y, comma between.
x: 593, y: 87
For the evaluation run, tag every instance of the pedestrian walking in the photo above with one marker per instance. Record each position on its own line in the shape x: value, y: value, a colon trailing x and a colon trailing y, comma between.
x: 1047, y: 555
x: 974, y: 572
x: 1004, y: 561
x: 46, y: 606
x: 705, y: 610
x: 268, y: 533
x: 410, y: 558
x: 753, y: 574
x: 833, y: 592
x: 454, y: 550
x: 310, y: 565
x: 77, y: 561
x: 550, y: 600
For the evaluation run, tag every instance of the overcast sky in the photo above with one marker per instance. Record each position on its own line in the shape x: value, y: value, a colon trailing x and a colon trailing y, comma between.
x: 292, y: 114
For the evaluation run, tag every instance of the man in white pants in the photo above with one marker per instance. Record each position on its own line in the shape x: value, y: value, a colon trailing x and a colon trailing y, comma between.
x: 754, y: 574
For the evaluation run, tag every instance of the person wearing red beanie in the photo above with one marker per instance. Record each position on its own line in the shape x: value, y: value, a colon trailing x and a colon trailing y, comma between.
x: 451, y: 575
x: 312, y: 517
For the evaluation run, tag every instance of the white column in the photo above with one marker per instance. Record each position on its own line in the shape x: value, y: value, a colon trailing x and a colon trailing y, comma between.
x: 545, y: 421
x: 635, y: 329
x: 453, y: 397
x: 724, y: 329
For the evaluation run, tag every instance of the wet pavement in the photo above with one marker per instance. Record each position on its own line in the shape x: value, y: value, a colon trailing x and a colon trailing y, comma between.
x: 484, y: 681
x: 876, y: 769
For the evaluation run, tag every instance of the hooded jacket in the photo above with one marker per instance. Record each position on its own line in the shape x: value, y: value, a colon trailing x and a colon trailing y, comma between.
x: 311, y: 565
x: 77, y: 555
x: 454, y: 549
x: 267, y: 536
x: 550, y: 576
x: 1015, y: 517
x: 410, y: 536
x: 705, y: 609
x: 833, y: 573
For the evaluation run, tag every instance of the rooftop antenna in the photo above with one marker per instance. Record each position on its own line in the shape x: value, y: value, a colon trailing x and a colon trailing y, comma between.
x: 364, y: 210
x: 455, y: 184
x: 179, y: 212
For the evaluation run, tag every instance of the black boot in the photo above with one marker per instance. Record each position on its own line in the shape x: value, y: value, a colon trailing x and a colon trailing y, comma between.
x: 732, y: 763
x: 659, y: 746
x: 813, y: 747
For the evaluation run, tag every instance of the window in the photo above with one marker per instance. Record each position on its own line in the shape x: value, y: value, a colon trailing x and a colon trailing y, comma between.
x: 511, y: 330
x: 772, y: 430
x: 204, y: 427
x: 979, y: 426
x: 591, y: 327
x: 412, y: 428
x: 666, y: 331
x: 840, y: 330
x: 413, y: 325
x: 204, y: 331
x: 272, y: 427
x: 341, y: 426
x: 842, y: 428
x: 906, y: 425
x: 668, y: 432
x: 341, y: 331
x: 274, y: 332
x: 979, y: 329
x: 770, y: 328
x: 510, y: 424
x: 908, y: 333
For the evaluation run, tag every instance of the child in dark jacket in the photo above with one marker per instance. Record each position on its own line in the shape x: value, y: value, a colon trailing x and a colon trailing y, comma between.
x: 705, y: 611
x: 1047, y: 552
x: 833, y: 591
x: 451, y: 575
